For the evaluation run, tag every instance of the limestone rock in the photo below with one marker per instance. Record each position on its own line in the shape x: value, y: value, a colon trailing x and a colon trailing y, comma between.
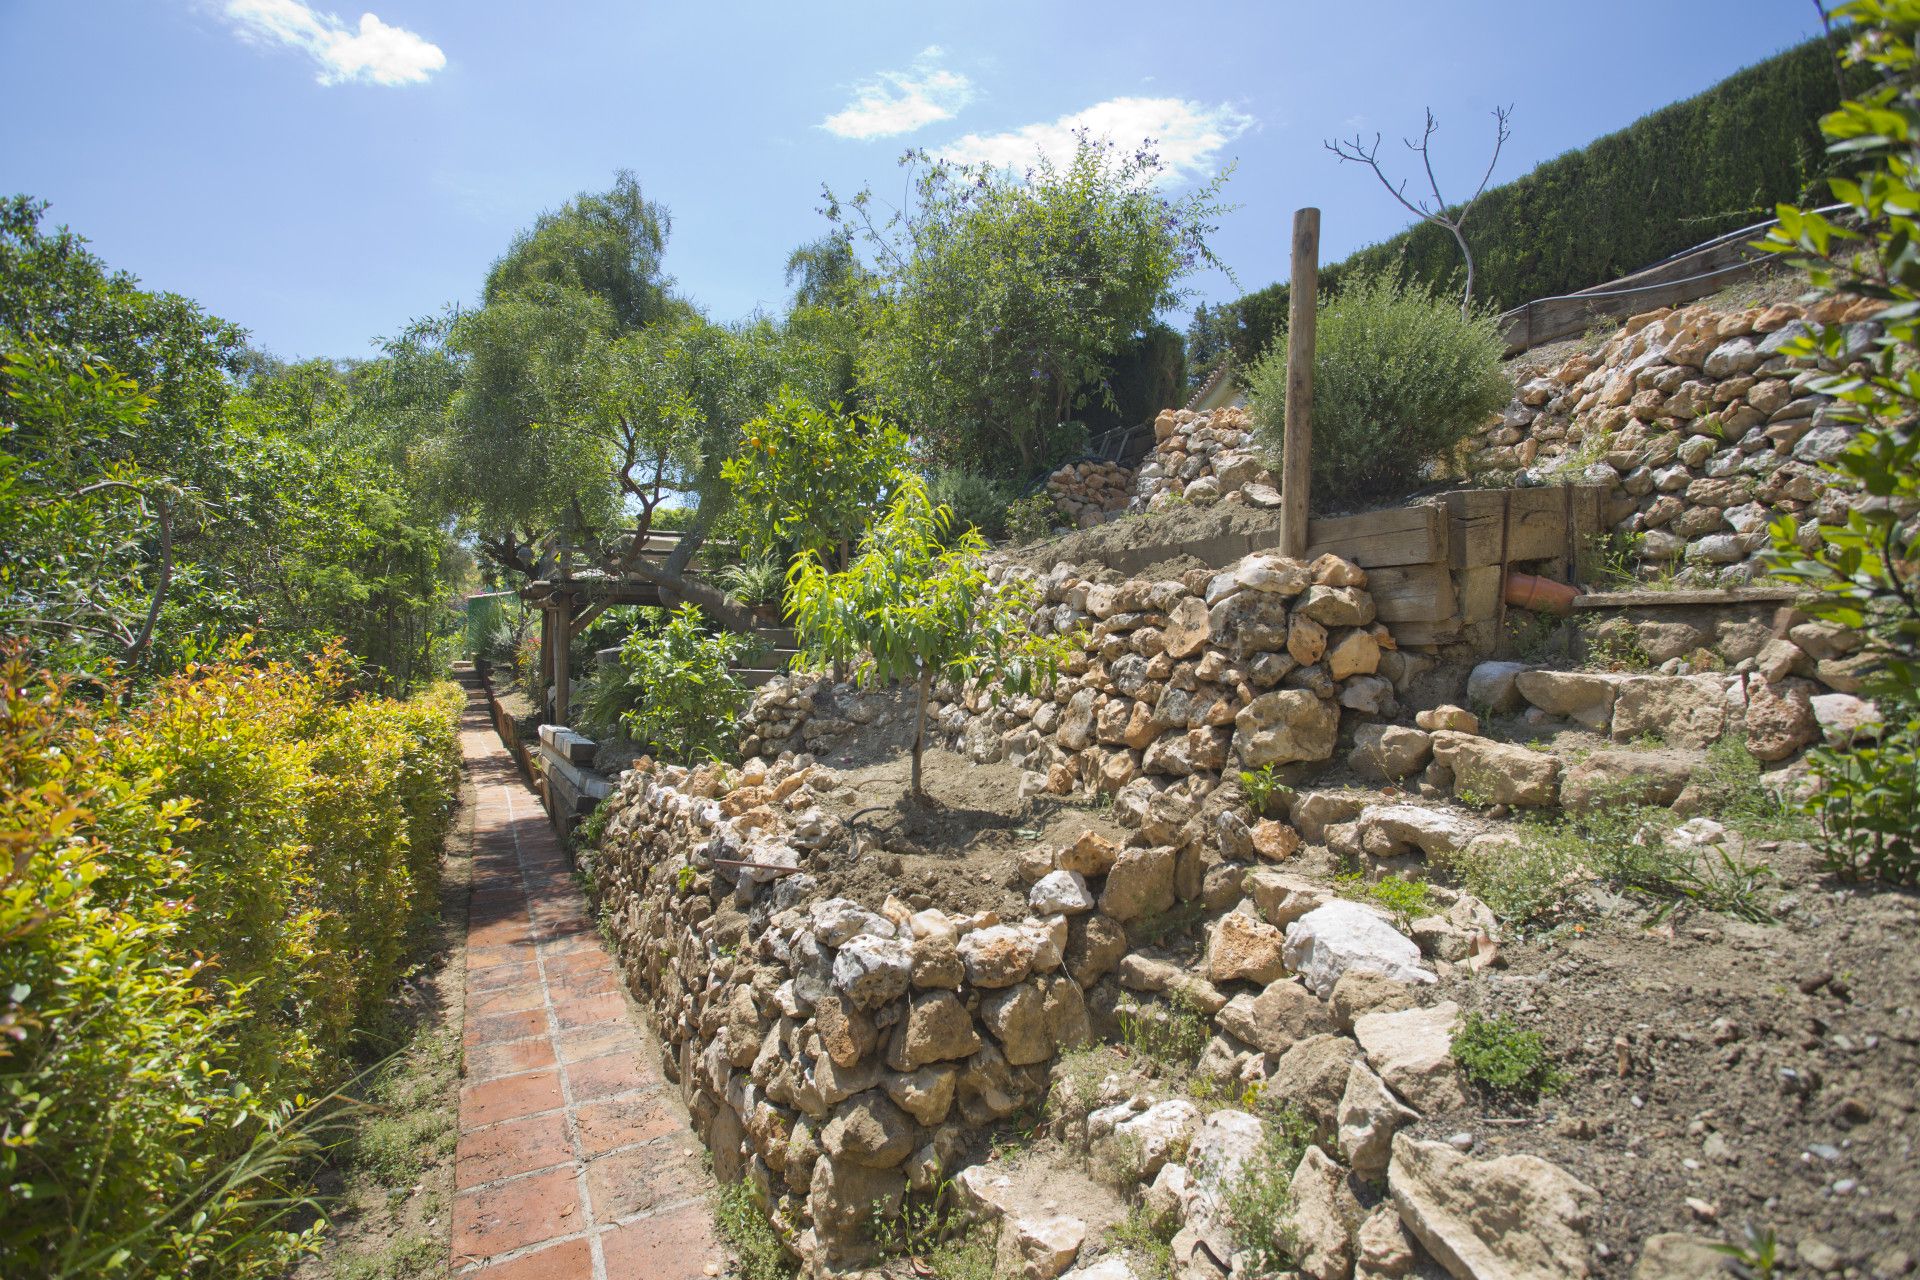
x: 1495, y: 685
x: 1390, y: 829
x: 1780, y: 720
x: 1095, y: 944
x: 1332, y: 939
x: 1241, y: 947
x: 1040, y: 1248
x: 1060, y: 893
x: 1312, y: 1076
x: 937, y: 1028
x: 1516, y: 1216
x: 1458, y: 719
x: 925, y: 1094
x: 1579, y: 695
x: 1277, y: 1019
x: 873, y: 970
x: 1498, y: 772
x: 1359, y: 993
x: 1638, y: 777
x: 1284, y: 726
x: 1090, y: 855
x: 1368, y: 1117
x: 869, y: 1130
x: 1322, y: 1214
x: 1129, y: 1146
x: 1389, y: 752
x: 997, y: 956
x: 1683, y: 711
x: 1275, y: 841
x: 844, y: 1196
x: 846, y: 1031
x: 1382, y: 1248
x: 1673, y: 1255
x: 1139, y: 884
x: 936, y: 962
x: 1017, y: 1018
x: 1412, y: 1050
x: 1283, y: 898
x: 1337, y: 606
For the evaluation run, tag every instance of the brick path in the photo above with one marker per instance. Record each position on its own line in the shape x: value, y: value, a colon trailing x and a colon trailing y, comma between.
x: 574, y: 1162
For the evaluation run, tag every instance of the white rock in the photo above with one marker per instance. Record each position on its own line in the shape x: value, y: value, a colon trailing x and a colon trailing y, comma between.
x: 1330, y: 940
x: 1042, y: 1248
x: 837, y: 920
x: 1061, y: 893
x: 872, y: 970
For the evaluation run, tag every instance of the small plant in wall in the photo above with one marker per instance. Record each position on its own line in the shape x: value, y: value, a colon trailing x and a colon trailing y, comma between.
x: 915, y: 606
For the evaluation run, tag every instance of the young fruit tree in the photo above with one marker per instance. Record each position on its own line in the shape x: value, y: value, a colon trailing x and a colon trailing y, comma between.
x: 915, y: 605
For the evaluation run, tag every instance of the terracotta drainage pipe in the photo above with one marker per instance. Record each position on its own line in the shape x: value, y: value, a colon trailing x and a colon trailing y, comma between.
x: 1542, y: 595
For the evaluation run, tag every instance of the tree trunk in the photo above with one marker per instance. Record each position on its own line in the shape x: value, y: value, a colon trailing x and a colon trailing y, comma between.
x: 925, y: 686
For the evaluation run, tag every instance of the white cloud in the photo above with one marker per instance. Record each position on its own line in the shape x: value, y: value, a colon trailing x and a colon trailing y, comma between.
x: 902, y: 101
x: 375, y: 52
x: 1188, y: 135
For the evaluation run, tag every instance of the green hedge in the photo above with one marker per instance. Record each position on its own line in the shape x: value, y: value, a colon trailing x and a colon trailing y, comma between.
x: 1713, y: 163
x: 207, y: 900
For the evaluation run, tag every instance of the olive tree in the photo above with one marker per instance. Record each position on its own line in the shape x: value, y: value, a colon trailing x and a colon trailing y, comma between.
x: 915, y: 606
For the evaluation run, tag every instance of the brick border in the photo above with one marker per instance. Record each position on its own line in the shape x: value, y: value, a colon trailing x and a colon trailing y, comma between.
x: 575, y: 1161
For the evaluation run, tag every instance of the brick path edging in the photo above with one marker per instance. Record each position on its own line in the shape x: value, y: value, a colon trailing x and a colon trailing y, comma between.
x: 574, y: 1162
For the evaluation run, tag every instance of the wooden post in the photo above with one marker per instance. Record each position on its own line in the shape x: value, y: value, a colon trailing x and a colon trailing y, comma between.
x: 1297, y: 444
x: 562, y: 633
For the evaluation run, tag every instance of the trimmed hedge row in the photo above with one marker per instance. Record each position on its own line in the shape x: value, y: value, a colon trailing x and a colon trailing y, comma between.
x: 1712, y: 163
x: 206, y: 899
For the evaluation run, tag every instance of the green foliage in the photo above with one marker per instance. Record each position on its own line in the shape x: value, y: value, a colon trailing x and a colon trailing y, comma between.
x: 743, y: 1223
x: 1030, y: 519
x: 996, y: 306
x: 1400, y: 378
x: 1754, y: 1256
x: 1501, y: 1058
x: 977, y: 500
x: 915, y: 605
x: 1712, y: 163
x: 1147, y: 1240
x: 686, y: 695
x: 941, y: 1242
x: 1866, y: 572
x: 208, y: 896
x: 1408, y: 899
x: 1172, y: 1032
x: 607, y: 245
x: 1259, y: 1195
x: 1265, y: 793
x: 808, y: 477
x: 754, y: 581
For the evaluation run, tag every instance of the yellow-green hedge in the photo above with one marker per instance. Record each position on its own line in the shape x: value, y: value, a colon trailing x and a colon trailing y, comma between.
x: 204, y: 897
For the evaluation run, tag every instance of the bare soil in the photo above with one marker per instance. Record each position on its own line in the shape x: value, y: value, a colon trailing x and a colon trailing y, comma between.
x: 958, y: 851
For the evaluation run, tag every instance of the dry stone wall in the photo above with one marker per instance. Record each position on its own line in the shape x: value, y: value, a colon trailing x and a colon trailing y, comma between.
x: 1171, y: 683
x: 1086, y: 493
x: 1698, y: 423
x: 1204, y: 458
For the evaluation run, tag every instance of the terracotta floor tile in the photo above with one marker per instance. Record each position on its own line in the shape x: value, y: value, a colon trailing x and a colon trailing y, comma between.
x: 570, y: 1261
x: 517, y: 1146
x: 594, y: 1042
x: 624, y: 1122
x: 488, y: 1004
x: 643, y: 1178
x: 506, y: 1026
x: 604, y: 1076
x: 512, y: 1215
x: 488, y: 1061
x: 489, y: 957
x: 590, y: 1012
x: 508, y: 1098
x: 493, y: 977
x: 675, y: 1245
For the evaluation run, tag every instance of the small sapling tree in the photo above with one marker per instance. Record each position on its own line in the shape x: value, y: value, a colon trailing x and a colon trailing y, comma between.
x: 915, y: 605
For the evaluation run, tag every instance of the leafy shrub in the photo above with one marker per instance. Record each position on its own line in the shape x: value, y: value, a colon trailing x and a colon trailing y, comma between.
x: 1264, y: 791
x: 1863, y: 572
x: 977, y: 501
x: 1030, y: 519
x: 205, y: 898
x: 1405, y: 897
x: 1498, y: 1056
x: 743, y: 1223
x: 754, y: 581
x: 1171, y: 1032
x: 1399, y: 378
x: 687, y: 697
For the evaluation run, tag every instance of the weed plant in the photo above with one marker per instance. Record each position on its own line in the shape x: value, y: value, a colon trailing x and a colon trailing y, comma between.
x: 1171, y: 1033
x: 745, y: 1227
x: 1265, y: 792
x: 1258, y: 1197
x: 1147, y: 1240
x: 1500, y: 1057
x: 1407, y: 898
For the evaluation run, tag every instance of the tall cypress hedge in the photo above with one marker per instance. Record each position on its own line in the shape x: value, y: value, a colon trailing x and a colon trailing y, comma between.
x: 1710, y: 164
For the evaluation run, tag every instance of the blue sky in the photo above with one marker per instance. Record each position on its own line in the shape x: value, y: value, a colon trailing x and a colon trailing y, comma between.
x: 321, y: 175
